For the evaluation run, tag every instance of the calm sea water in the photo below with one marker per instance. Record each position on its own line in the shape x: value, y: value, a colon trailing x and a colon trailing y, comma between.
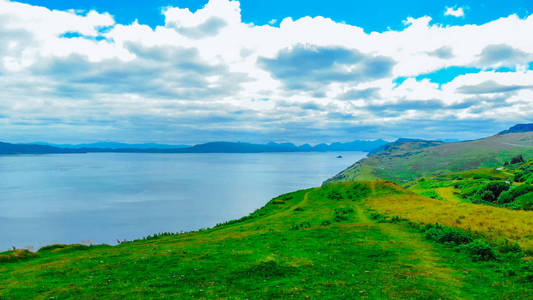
x: 99, y: 198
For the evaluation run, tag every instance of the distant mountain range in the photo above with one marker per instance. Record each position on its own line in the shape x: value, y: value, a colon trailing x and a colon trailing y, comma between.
x: 6, y: 148
x: 114, y: 145
x: 212, y: 147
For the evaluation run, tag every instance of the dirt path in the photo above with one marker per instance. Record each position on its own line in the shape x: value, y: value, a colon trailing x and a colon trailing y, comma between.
x: 423, y: 259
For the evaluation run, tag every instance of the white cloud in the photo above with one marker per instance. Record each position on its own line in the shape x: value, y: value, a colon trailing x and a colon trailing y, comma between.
x: 208, y: 70
x: 457, y: 12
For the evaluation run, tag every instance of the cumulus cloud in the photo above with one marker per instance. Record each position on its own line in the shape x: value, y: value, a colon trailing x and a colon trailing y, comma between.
x: 454, y: 12
x: 443, y: 52
x: 207, y: 75
x: 308, y: 67
x: 503, y: 55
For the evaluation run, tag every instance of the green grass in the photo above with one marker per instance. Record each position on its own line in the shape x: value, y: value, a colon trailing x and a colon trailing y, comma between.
x: 407, y: 163
x: 322, y: 243
x: 503, y: 186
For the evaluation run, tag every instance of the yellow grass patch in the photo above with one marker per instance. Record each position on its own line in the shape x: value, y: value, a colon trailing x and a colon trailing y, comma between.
x: 493, y: 222
x: 448, y: 194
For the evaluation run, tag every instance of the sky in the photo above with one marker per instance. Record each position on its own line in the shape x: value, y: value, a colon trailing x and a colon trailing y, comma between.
x: 187, y: 72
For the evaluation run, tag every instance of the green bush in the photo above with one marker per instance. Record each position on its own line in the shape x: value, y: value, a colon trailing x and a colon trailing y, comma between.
x: 334, y: 195
x: 359, y: 191
x: 480, y: 250
x: 492, y: 190
x: 341, y: 214
x: 524, y: 174
x: 379, y: 217
x: 510, y: 248
x: 524, y: 202
x: 303, y: 225
x: 515, y: 192
x: 447, y: 235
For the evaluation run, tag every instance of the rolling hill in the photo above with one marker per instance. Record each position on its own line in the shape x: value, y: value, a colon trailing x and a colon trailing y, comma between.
x: 404, y: 161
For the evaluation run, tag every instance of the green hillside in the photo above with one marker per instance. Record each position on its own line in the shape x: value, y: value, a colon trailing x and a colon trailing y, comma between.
x: 410, y: 161
x: 345, y: 240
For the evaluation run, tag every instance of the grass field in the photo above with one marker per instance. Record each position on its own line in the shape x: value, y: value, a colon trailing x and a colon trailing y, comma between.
x: 345, y: 240
x: 495, y: 223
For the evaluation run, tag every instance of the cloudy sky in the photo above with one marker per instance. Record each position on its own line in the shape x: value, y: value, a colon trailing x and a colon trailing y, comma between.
x: 258, y: 71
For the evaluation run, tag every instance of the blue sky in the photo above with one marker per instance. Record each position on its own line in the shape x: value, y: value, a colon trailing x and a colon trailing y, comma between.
x: 370, y: 15
x: 188, y: 71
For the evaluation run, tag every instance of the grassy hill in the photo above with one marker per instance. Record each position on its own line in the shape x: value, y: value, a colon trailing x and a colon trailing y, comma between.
x: 369, y: 239
x: 409, y: 160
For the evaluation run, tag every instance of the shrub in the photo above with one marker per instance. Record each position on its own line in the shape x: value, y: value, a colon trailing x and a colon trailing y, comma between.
x: 164, y: 234
x: 360, y: 191
x: 515, y: 192
x: 524, y: 173
x: 343, y: 211
x: 447, y: 235
x: 301, y: 226
x: 480, y: 250
x: 334, y: 195
x: 491, y: 191
x: 379, y: 217
x: 325, y: 223
x: 341, y: 214
x: 510, y: 248
x: 524, y: 202
x: 396, y: 219
x: 470, y: 189
x: 340, y: 218
x: 527, y: 269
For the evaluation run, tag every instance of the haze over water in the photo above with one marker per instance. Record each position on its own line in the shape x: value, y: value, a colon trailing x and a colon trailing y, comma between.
x: 99, y: 198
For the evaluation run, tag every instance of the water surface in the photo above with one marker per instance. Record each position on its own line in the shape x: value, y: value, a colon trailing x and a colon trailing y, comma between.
x: 102, y: 197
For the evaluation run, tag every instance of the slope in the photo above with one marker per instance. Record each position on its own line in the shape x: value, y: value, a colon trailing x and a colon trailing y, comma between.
x: 403, y: 164
x: 332, y: 242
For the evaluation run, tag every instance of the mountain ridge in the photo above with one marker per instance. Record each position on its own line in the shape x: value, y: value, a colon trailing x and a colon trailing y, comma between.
x: 518, y: 128
x: 210, y: 147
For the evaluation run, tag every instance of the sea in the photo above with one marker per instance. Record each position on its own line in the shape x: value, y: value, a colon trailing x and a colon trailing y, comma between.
x: 110, y: 197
